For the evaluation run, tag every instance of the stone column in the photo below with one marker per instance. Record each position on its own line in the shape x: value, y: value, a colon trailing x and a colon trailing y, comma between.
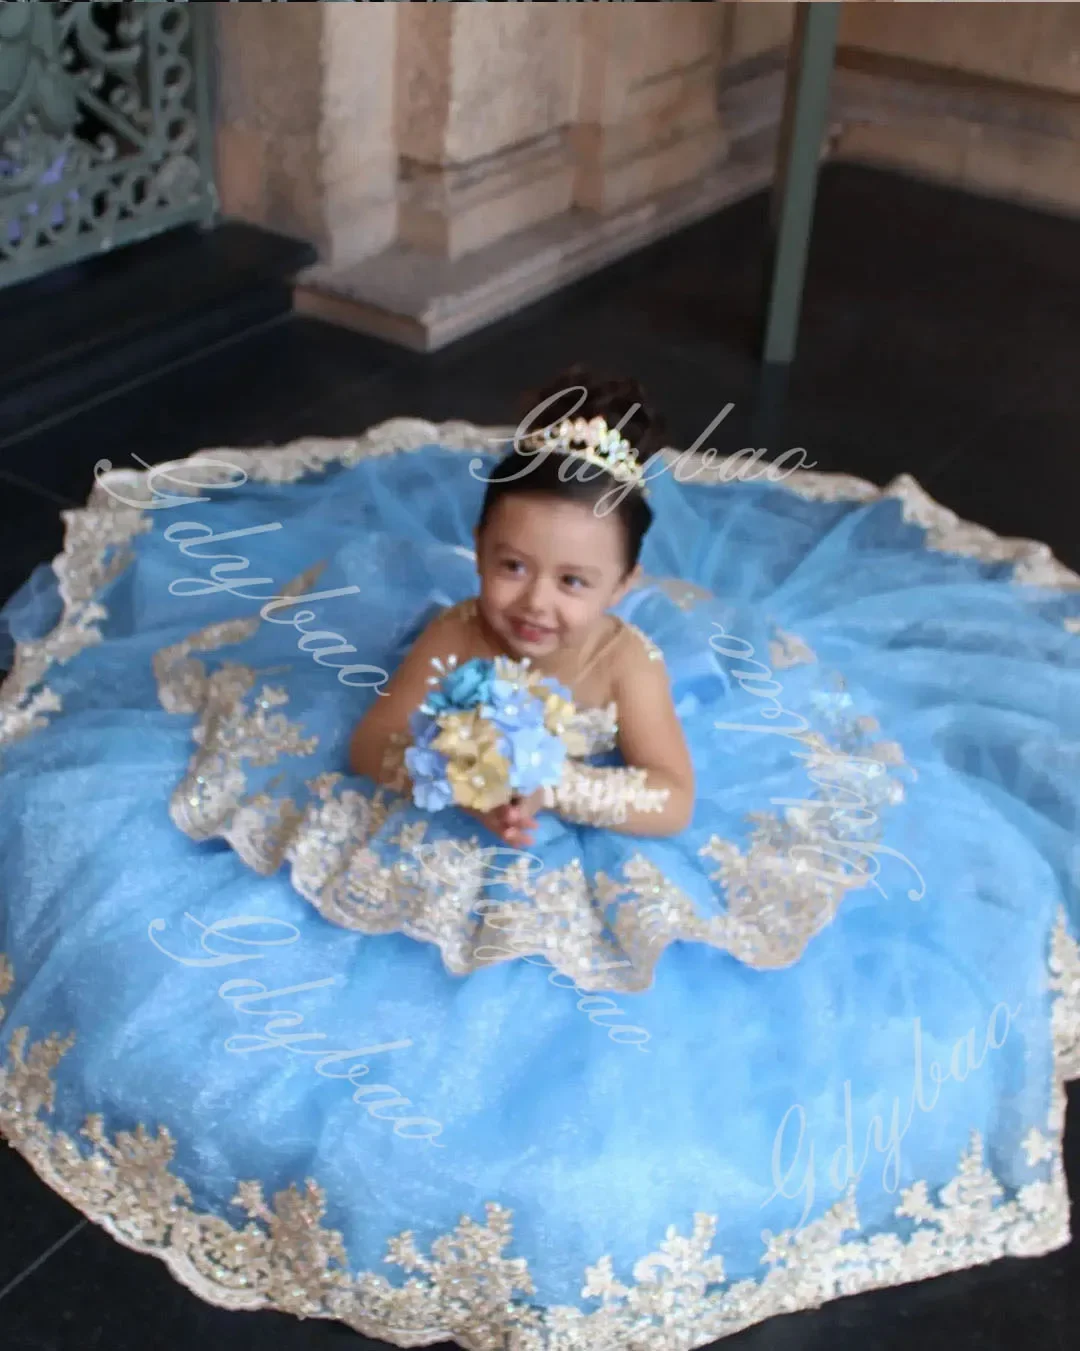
x: 484, y: 96
x: 305, y: 139
x: 647, y: 117
x: 536, y: 144
x: 754, y: 73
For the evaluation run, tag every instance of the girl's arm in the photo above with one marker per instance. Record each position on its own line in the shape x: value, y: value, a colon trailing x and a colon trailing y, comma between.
x: 384, y: 728
x: 654, y: 794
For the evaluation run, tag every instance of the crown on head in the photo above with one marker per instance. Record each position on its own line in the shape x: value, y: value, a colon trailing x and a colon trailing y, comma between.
x: 592, y: 440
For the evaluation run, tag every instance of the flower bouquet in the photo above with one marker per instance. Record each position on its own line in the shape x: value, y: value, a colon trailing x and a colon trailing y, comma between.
x: 489, y: 732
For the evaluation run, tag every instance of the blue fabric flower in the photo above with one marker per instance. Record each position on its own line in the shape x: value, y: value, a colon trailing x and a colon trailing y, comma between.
x: 423, y: 728
x: 432, y: 790
x: 464, y: 687
x: 536, y: 757
x: 552, y: 686
x: 433, y: 795
x: 511, y: 706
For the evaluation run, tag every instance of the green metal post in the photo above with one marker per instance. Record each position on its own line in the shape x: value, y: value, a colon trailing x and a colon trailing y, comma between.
x: 204, y: 38
x: 802, y: 131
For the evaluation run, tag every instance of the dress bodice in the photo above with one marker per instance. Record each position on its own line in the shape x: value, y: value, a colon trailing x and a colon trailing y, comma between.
x: 598, y: 725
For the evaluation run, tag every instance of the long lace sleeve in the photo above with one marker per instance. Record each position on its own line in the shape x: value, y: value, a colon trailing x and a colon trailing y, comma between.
x: 600, y: 796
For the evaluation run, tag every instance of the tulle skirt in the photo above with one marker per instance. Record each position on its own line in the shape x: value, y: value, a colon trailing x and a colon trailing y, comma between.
x: 263, y: 1018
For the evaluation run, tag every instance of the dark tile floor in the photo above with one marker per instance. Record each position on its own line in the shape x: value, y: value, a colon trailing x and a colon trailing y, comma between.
x: 941, y: 338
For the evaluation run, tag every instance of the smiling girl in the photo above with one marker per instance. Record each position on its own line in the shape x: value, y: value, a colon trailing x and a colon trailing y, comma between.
x: 557, y: 546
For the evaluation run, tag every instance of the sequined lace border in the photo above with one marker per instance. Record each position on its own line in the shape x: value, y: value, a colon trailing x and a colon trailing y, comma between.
x: 465, y: 1288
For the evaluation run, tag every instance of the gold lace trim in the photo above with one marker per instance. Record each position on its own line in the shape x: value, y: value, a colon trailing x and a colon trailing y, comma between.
x: 1033, y: 563
x: 606, y: 932
x: 466, y: 1288
x: 603, y: 797
x: 788, y: 649
x: 98, y: 537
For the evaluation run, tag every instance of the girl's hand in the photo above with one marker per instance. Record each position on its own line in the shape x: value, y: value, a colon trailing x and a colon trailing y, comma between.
x: 519, y: 818
x: 514, y: 823
x: 493, y: 820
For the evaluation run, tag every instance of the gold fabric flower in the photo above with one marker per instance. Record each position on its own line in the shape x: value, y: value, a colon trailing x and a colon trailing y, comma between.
x: 481, y: 781
x: 478, y: 773
x: 559, y: 716
x: 576, y: 743
x: 460, y: 734
x: 557, y: 712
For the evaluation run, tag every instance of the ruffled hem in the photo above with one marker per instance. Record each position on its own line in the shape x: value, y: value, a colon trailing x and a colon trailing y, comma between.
x: 445, y: 891
x: 769, y: 910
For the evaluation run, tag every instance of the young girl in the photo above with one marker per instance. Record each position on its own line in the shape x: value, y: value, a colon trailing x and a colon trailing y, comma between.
x: 769, y: 1000
x: 557, y: 546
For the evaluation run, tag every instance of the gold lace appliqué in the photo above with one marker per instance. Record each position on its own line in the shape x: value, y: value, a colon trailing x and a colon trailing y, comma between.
x: 467, y: 1288
x: 606, y: 932
x: 788, y: 649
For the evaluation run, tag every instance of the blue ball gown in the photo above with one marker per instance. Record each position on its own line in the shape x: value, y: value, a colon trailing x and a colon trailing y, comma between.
x: 269, y: 1022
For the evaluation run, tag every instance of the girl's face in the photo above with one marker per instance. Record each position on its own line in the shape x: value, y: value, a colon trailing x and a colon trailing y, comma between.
x: 548, y: 571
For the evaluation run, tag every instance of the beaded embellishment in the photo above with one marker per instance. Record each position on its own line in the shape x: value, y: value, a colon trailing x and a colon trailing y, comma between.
x: 603, y: 796
x: 467, y: 1286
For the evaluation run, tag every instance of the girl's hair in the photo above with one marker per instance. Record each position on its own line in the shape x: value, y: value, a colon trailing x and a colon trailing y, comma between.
x: 606, y: 398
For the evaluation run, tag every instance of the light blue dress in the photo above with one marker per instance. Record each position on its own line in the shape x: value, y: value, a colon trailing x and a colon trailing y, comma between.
x: 321, y: 1051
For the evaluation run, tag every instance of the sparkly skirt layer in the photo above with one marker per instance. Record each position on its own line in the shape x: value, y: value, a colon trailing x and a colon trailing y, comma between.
x: 323, y: 1052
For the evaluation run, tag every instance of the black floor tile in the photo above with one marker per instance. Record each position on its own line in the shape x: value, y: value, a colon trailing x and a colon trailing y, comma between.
x: 700, y: 409
x: 130, y: 287
x: 114, y: 318
x: 1021, y: 479
x: 490, y: 382
x: 95, y: 1295
x: 242, y: 393
x: 34, y: 1219
x: 31, y: 532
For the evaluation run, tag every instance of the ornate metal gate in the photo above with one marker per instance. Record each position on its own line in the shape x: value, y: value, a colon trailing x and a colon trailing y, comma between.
x: 105, y: 128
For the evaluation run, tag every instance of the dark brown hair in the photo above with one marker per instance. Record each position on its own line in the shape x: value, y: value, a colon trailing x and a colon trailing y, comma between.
x: 610, y: 399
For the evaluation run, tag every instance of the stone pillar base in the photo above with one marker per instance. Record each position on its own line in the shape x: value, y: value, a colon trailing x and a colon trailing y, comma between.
x: 304, y: 125
x: 627, y: 173
x: 985, y: 136
x: 452, y: 210
x: 422, y: 301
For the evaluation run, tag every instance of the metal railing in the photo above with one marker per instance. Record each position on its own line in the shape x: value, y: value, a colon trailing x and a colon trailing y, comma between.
x: 105, y: 128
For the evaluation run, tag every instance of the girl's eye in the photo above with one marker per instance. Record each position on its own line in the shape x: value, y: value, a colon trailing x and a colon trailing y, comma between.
x: 574, y: 581
x: 510, y: 564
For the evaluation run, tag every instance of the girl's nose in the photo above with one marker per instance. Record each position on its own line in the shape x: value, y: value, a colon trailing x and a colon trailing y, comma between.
x: 536, y: 594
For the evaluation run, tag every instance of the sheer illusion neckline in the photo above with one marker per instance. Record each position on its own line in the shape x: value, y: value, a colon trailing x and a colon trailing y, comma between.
x: 469, y: 610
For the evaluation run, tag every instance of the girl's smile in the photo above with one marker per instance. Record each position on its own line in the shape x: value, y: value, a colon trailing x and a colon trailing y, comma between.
x: 549, y: 569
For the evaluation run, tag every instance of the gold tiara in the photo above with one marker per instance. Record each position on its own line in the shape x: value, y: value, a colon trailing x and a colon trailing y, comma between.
x: 592, y: 440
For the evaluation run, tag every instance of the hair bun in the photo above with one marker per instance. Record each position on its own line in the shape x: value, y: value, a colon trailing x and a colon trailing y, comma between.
x: 608, y: 397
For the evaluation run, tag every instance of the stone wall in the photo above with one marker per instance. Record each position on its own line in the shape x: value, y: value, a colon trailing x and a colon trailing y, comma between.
x: 986, y: 96
x: 450, y: 127
x: 453, y: 162
x: 305, y: 132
